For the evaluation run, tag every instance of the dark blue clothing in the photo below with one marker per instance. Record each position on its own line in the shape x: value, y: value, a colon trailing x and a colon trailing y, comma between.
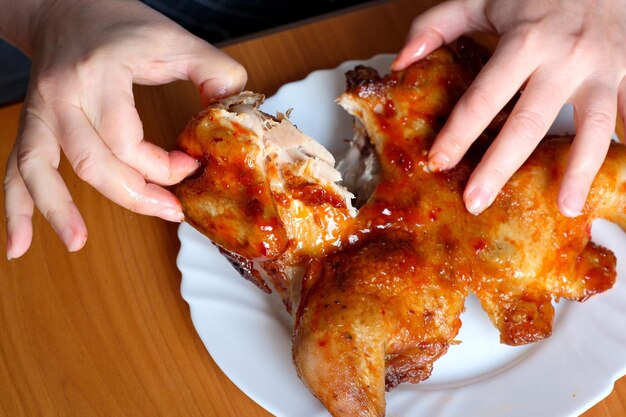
x: 213, y: 20
x: 14, y: 68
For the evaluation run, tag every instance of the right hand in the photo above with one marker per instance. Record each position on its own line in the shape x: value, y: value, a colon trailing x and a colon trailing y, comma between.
x: 556, y: 53
x: 86, y: 57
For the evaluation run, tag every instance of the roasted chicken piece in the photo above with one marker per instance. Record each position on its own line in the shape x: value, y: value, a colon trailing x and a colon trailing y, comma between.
x: 376, y: 297
x: 385, y: 307
x: 266, y: 193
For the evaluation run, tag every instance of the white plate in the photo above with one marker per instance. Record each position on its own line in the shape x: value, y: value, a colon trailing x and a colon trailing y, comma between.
x: 248, y: 333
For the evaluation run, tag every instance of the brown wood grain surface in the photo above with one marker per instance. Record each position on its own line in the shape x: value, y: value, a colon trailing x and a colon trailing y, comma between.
x: 104, y: 331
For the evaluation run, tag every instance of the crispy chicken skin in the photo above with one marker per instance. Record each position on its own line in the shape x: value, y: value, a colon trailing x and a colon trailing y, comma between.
x: 383, y: 309
x: 265, y: 194
x: 377, y: 295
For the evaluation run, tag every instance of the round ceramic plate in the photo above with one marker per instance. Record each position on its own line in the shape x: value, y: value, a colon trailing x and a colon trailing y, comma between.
x: 248, y: 333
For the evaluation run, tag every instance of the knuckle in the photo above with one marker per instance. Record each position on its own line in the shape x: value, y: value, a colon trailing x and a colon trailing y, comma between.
x: 599, y: 118
x: 139, y: 204
x: 121, y: 148
x: 478, y: 103
x: 47, y: 77
x: 524, y: 36
x: 51, y: 213
x: 88, y: 66
x: 528, y: 125
x: 86, y: 167
x: 498, y: 174
x: 9, y: 181
x: 136, y: 206
x: 12, y: 179
x: 45, y: 85
x: 27, y: 162
x: 50, y: 82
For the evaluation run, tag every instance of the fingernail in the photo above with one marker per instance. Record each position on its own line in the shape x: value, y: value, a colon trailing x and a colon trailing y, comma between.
x: 78, y: 243
x: 172, y: 215
x: 13, y: 250
x: 438, y: 162
x: 186, y: 158
x: 397, y: 64
x: 572, y: 204
x: 72, y: 240
x: 478, y: 200
x: 12, y: 253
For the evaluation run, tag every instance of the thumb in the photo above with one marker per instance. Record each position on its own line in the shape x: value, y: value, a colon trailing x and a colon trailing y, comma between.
x: 439, y: 25
x: 216, y: 74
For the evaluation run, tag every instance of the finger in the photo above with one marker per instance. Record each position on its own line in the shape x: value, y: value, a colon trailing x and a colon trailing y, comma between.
x: 18, y: 208
x: 595, y: 111
x: 216, y: 74
x: 500, y: 79
x: 94, y: 163
x: 37, y: 159
x: 118, y: 124
x: 528, y: 123
x: 183, y: 56
x: 439, y: 25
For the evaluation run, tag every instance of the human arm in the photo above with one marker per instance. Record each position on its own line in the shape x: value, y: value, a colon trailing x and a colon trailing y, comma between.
x: 86, y: 56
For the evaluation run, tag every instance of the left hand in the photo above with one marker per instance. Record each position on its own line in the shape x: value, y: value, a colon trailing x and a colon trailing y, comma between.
x: 80, y: 102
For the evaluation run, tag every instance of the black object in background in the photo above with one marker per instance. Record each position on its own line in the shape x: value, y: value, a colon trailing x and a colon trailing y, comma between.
x: 213, y: 20
x: 221, y: 20
x: 14, y: 68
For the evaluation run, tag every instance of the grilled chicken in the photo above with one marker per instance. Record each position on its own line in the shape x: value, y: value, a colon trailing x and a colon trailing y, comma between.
x: 266, y: 193
x: 383, y: 309
x: 376, y: 295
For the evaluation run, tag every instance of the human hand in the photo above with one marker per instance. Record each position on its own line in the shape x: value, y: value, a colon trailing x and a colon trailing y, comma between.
x: 560, y: 52
x: 86, y: 57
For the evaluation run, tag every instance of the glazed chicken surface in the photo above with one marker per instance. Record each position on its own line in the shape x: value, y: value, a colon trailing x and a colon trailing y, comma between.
x: 377, y: 294
x: 266, y: 194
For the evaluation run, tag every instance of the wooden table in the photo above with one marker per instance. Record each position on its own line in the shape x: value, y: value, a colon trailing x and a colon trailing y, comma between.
x: 105, y: 332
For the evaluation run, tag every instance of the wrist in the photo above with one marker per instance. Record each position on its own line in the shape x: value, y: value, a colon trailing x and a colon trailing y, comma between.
x: 17, y: 21
x: 28, y: 24
x: 46, y: 20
